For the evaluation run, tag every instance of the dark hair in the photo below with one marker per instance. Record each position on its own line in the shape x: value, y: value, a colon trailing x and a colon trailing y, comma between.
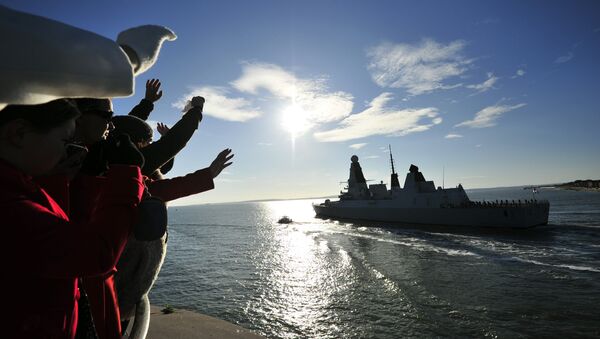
x: 97, y: 106
x: 42, y: 117
x: 137, y: 129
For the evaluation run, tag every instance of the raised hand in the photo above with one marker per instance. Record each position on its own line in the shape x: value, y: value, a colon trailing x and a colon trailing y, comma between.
x: 153, y: 92
x: 221, y: 162
x: 162, y: 128
x: 195, y: 102
x: 198, y: 102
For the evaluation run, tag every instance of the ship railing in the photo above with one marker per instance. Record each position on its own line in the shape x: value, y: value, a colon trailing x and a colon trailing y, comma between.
x: 497, y: 204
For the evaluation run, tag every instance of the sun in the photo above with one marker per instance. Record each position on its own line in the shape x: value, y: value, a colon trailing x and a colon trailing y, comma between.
x: 295, y: 120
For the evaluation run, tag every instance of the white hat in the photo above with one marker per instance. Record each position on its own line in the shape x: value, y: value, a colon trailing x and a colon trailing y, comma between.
x: 43, y: 59
x: 145, y: 41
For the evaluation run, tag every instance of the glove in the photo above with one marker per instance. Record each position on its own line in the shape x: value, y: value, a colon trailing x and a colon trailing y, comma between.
x: 195, y: 102
x: 94, y: 162
x: 121, y: 151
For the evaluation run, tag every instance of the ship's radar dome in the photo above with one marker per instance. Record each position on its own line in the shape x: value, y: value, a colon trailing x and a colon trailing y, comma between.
x: 354, y: 158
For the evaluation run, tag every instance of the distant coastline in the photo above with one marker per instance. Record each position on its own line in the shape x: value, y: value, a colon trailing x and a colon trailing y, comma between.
x: 587, y: 185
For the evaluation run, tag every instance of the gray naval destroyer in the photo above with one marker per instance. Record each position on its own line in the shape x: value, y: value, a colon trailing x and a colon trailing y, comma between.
x: 419, y: 202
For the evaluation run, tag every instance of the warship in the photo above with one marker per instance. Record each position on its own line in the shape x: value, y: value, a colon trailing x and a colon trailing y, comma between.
x: 420, y: 202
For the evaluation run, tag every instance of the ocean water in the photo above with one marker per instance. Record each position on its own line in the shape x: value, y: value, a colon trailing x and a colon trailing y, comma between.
x: 319, y: 278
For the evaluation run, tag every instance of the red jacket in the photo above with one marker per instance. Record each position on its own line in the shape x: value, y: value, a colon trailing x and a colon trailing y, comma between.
x: 82, y: 199
x: 44, y: 253
x: 179, y: 187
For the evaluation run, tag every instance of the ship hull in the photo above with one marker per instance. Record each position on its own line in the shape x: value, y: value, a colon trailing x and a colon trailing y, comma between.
x: 513, y: 216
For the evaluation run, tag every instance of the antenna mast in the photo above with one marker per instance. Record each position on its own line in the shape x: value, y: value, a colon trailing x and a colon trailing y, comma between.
x: 394, y: 177
x: 391, y: 159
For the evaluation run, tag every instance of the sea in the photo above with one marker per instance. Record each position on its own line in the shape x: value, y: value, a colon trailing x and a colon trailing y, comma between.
x: 318, y: 278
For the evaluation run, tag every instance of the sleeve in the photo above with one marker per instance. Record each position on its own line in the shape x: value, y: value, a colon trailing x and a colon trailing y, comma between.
x: 57, y: 186
x: 58, y: 248
x: 164, y: 169
x: 158, y: 153
x: 179, y: 187
x: 143, y: 109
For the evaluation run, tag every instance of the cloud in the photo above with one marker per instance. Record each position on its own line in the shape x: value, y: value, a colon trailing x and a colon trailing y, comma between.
x: 564, y: 58
x: 519, y: 73
x: 358, y: 146
x: 220, y: 106
x: 486, y: 85
x: 419, y: 68
x: 453, y: 136
x: 311, y: 96
x: 265, y: 144
x: 380, y: 119
x: 487, y: 117
x: 371, y: 157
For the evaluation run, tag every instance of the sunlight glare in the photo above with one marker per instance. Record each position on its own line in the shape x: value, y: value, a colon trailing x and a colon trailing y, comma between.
x: 295, y: 120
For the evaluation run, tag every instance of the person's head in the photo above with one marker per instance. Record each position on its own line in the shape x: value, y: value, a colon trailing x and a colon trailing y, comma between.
x: 138, y: 130
x: 33, y: 137
x: 94, y: 123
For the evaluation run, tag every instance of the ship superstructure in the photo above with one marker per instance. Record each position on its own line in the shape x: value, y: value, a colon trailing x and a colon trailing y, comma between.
x: 420, y: 202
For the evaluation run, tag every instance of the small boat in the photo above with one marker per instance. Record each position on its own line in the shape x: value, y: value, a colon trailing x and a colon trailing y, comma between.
x: 285, y: 220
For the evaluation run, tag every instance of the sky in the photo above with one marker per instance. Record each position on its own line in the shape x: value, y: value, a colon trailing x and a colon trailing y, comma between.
x: 482, y: 93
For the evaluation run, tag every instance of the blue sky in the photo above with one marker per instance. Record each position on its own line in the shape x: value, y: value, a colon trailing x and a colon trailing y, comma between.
x: 498, y: 93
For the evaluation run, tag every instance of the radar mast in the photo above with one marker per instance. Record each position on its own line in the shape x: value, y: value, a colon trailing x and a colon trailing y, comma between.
x: 394, y: 178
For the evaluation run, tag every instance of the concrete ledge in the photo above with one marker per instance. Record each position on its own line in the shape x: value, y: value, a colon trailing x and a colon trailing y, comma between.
x: 187, y: 324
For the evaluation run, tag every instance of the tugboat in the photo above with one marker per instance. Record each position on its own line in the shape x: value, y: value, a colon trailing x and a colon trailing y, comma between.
x: 285, y: 220
x: 419, y: 202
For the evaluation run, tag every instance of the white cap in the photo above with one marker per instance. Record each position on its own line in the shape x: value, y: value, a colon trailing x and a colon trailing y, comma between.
x: 145, y: 42
x: 43, y: 60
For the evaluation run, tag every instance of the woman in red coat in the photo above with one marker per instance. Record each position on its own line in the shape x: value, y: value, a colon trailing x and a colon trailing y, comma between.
x: 44, y: 253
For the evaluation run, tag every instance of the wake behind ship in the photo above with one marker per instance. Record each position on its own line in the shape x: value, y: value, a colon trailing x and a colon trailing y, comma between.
x: 419, y: 202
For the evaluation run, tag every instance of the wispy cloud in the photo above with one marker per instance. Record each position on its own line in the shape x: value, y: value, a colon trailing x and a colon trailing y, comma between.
x: 419, y: 68
x: 487, y: 117
x: 453, y: 136
x: 519, y: 73
x: 486, y: 85
x: 311, y: 96
x: 262, y: 80
x: 358, y: 146
x: 220, y: 106
x: 381, y: 119
x: 264, y: 144
x: 564, y: 58
x: 371, y: 157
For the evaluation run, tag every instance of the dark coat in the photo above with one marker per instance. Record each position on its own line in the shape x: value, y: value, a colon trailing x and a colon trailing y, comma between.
x: 164, y: 149
x: 44, y: 252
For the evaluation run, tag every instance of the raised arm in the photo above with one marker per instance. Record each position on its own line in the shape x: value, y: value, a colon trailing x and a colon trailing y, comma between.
x: 193, y: 183
x: 158, y: 153
x: 146, y: 105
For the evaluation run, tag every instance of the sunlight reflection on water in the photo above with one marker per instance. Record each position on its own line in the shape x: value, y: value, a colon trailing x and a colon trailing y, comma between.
x: 317, y: 278
x: 299, y: 269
